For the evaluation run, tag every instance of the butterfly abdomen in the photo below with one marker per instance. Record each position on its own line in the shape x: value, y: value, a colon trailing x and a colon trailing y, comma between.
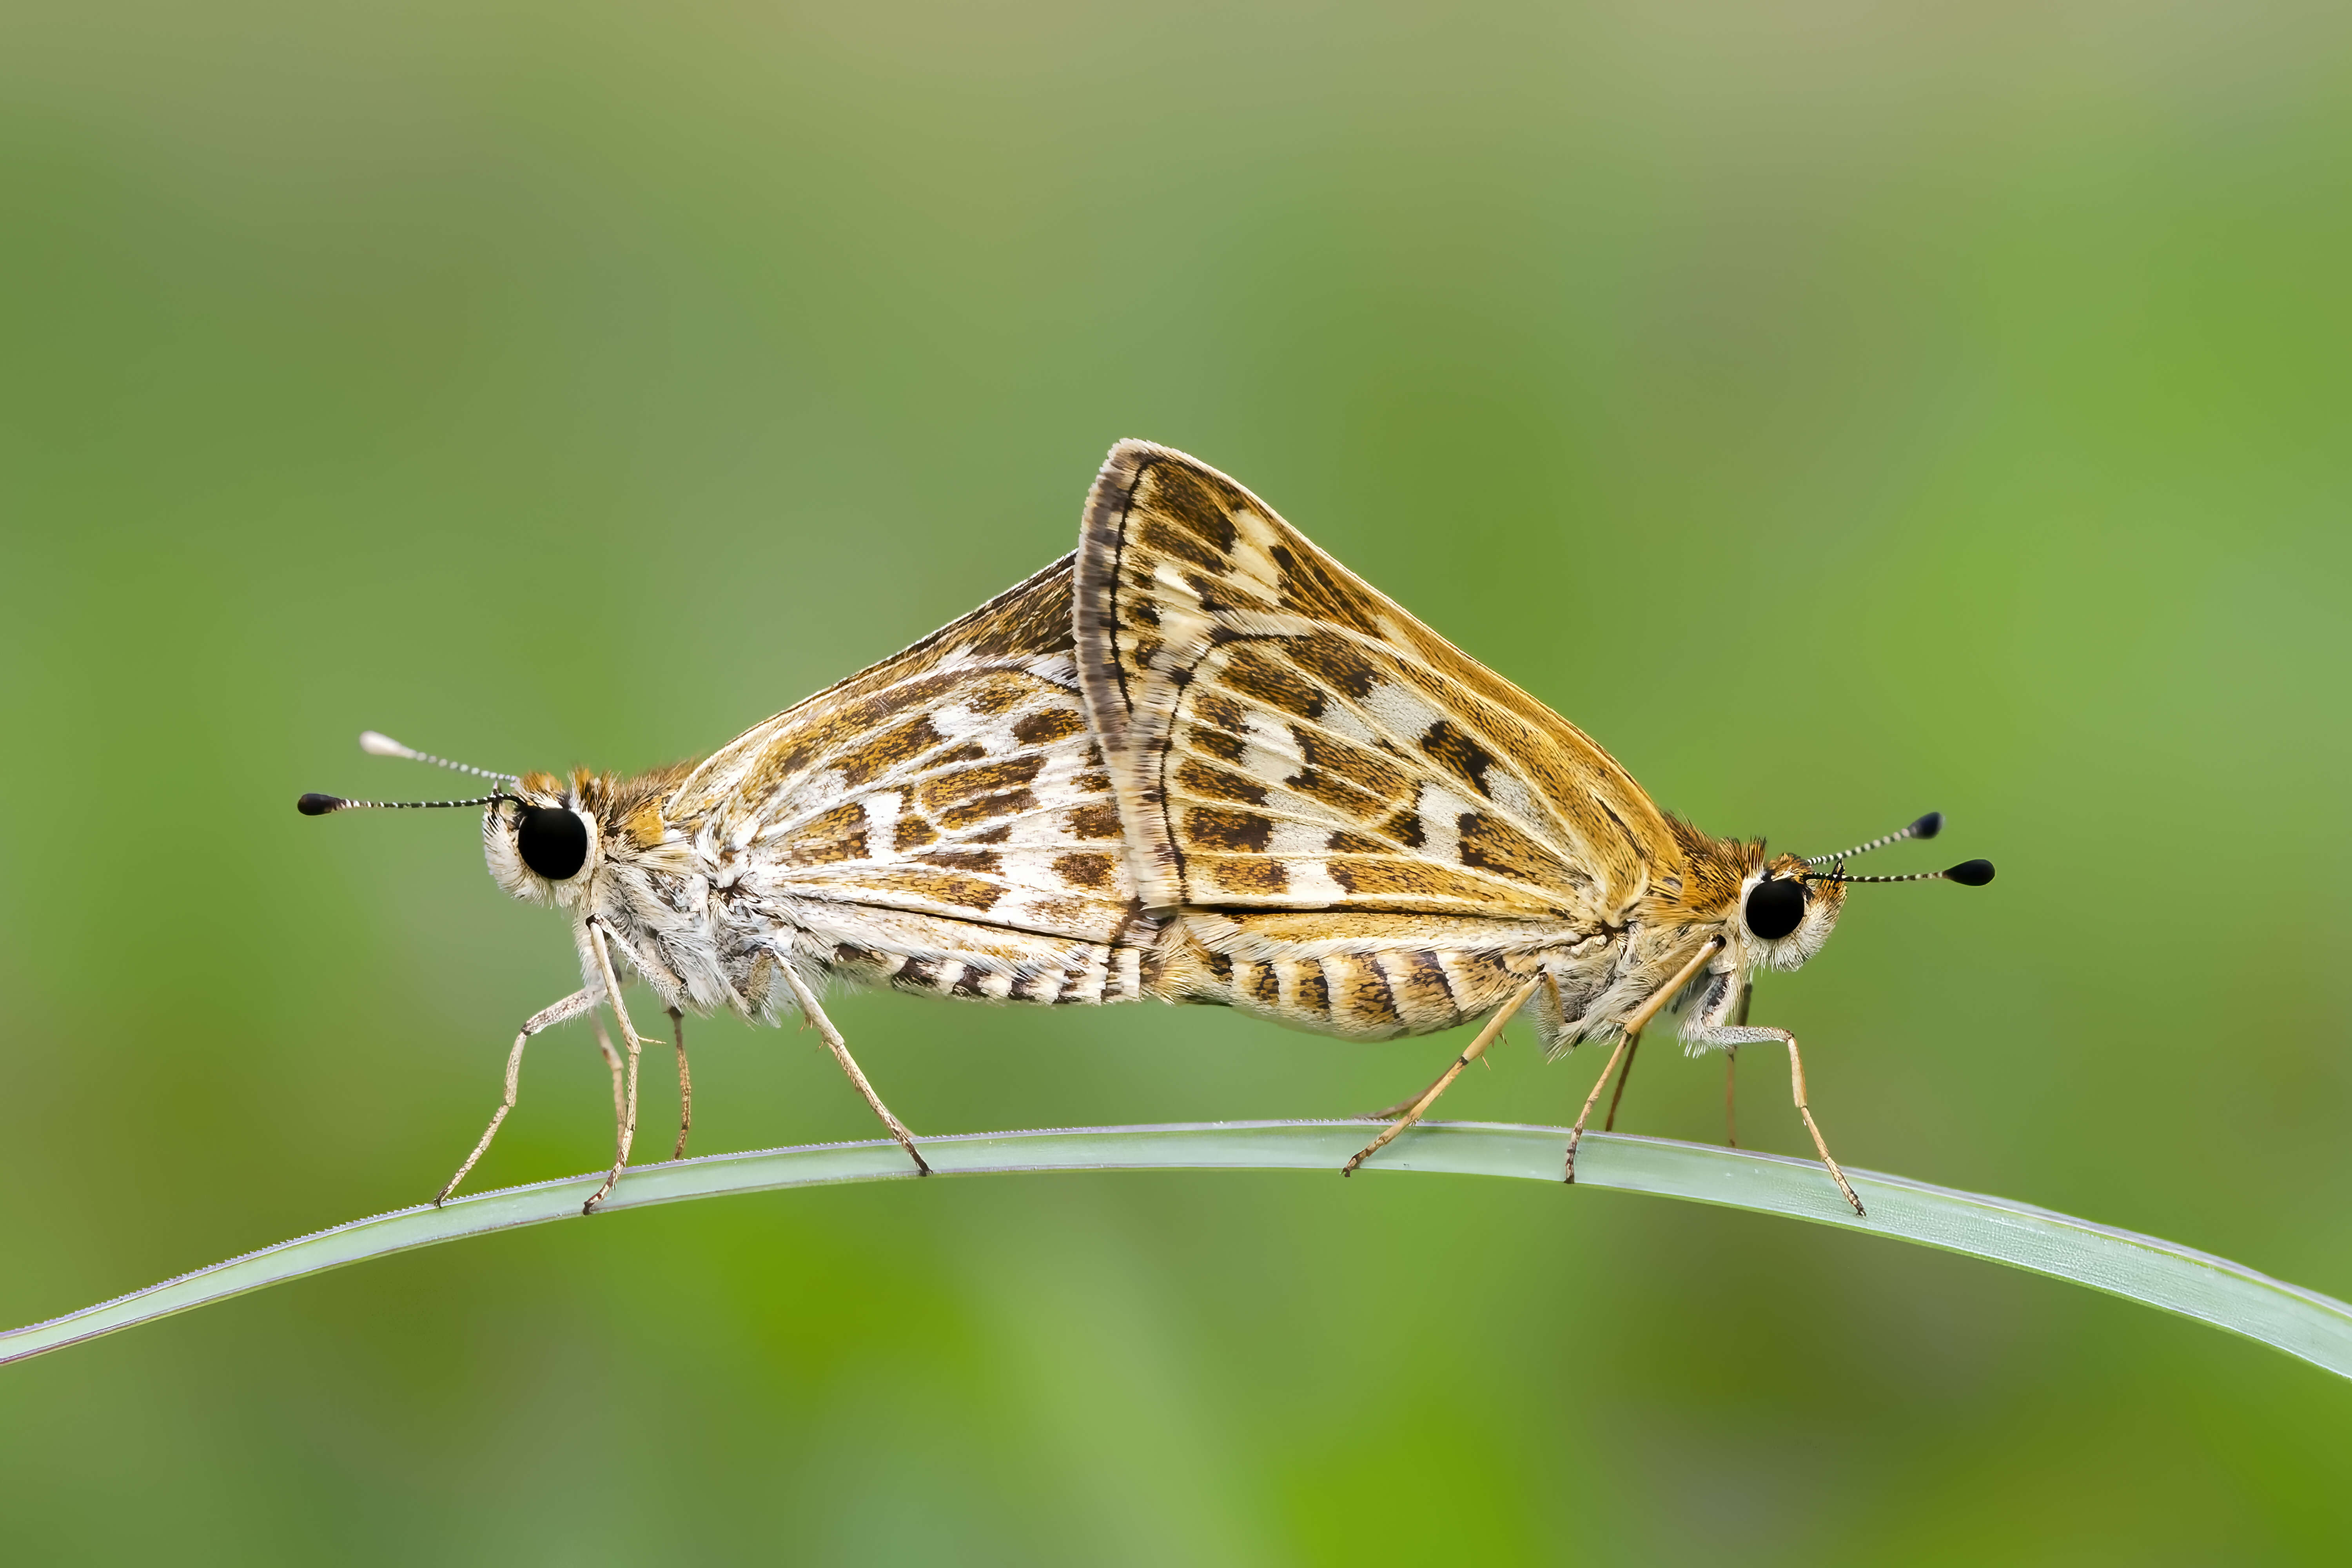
x: 1379, y: 995
x: 978, y: 964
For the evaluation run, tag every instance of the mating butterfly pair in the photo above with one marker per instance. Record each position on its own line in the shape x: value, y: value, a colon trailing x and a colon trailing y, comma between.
x: 1199, y: 760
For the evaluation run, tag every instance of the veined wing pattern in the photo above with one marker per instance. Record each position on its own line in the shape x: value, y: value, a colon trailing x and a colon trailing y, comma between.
x: 940, y: 822
x: 1364, y: 830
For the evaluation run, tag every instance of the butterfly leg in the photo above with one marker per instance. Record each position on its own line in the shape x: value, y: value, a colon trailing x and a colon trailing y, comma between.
x: 685, y: 1084
x: 621, y: 1109
x: 1576, y: 1133
x: 1755, y: 1037
x: 1414, y: 1111
x: 1629, y: 1038
x: 1730, y: 1074
x: 1390, y: 1112
x: 625, y: 1084
x: 840, y: 1048
x: 1633, y: 1048
x: 546, y: 1019
x: 1730, y: 1123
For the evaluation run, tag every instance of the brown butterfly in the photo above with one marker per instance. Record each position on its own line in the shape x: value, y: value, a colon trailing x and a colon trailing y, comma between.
x: 941, y: 823
x: 1350, y: 826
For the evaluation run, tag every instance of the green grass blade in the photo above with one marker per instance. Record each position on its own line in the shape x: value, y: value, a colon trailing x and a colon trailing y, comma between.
x: 2210, y: 1290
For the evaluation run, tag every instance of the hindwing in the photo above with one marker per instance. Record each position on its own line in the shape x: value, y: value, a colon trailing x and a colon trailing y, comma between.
x: 1281, y: 735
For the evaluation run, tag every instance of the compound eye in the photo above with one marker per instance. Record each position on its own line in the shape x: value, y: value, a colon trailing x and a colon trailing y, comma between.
x: 1776, y: 906
x: 554, y: 842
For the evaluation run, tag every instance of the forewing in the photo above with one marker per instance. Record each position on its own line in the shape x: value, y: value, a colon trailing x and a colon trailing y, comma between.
x: 1280, y: 735
x: 956, y: 778
x: 1028, y: 622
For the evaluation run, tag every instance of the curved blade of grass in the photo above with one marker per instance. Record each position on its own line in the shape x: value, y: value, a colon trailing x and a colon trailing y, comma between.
x: 2210, y: 1290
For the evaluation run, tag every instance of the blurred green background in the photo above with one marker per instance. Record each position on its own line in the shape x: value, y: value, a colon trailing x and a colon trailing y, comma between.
x: 1840, y: 410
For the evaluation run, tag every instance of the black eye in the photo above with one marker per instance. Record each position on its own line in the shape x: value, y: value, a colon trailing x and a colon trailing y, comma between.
x: 1776, y: 906
x: 554, y: 842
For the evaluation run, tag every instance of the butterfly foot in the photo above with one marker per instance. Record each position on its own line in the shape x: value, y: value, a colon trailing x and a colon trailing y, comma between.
x: 596, y: 1198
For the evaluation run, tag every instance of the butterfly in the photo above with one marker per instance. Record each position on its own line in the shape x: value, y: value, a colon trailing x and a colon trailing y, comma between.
x: 941, y: 823
x: 1344, y: 824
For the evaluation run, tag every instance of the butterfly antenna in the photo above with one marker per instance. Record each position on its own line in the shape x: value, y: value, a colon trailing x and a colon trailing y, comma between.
x: 381, y: 745
x: 1967, y: 874
x: 321, y: 805
x: 1926, y: 827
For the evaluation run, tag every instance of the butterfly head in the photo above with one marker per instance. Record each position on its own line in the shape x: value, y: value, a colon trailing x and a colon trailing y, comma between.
x: 1784, y: 918
x: 541, y: 835
x: 1789, y: 906
x: 543, y: 841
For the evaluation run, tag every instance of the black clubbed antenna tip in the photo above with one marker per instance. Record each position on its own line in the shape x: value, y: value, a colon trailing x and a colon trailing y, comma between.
x: 320, y: 805
x: 1926, y: 827
x: 1970, y: 873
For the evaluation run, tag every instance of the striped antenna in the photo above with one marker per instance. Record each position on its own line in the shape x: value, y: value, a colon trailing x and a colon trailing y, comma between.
x: 376, y: 745
x: 1926, y: 827
x: 321, y: 805
x: 1967, y: 874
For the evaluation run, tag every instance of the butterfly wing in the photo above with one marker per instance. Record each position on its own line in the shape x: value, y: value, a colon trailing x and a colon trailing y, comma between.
x: 955, y: 779
x: 1282, y: 736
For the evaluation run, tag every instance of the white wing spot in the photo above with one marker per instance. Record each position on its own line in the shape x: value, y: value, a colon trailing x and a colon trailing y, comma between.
x: 882, y: 811
x: 1440, y: 824
x: 1312, y: 882
x: 1252, y: 563
x: 1345, y: 721
x: 1272, y: 756
x: 1404, y: 713
x: 1507, y: 790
